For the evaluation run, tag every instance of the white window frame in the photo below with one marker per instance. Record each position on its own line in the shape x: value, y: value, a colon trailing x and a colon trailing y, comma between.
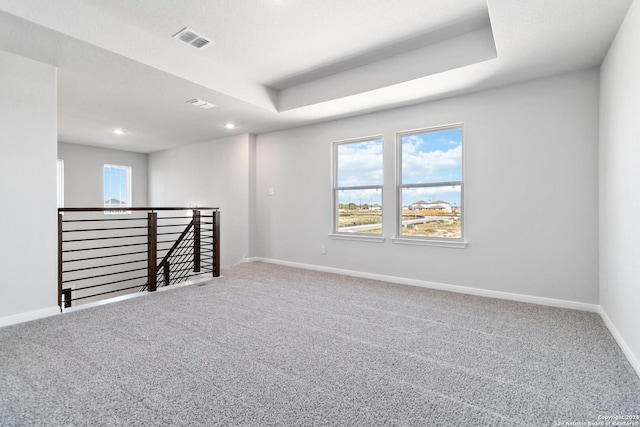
x: 428, y: 240
x: 60, y: 182
x: 342, y: 235
x: 129, y: 195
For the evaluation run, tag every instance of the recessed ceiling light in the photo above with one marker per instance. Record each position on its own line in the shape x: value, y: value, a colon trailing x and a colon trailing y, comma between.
x: 200, y: 103
x: 118, y: 131
x: 230, y: 126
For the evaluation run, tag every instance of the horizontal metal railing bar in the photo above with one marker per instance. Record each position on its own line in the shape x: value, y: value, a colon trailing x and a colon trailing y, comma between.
x: 69, y: 221
x: 171, y: 241
x: 104, y: 238
x: 104, y: 266
x: 174, y: 225
x: 104, y: 275
x: 137, y: 209
x: 104, y: 256
x: 168, y: 234
x: 111, y: 283
x: 105, y: 293
x: 164, y: 218
x: 104, y: 247
x: 104, y: 229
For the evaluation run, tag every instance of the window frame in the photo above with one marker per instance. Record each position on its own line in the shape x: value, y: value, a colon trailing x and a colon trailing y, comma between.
x: 335, y: 204
x: 458, y: 242
x: 129, y: 173
x: 60, y: 182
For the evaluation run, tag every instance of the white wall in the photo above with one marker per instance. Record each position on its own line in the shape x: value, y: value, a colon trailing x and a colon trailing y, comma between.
x: 210, y: 174
x: 28, y: 218
x: 619, y: 185
x: 531, y: 191
x: 83, y: 174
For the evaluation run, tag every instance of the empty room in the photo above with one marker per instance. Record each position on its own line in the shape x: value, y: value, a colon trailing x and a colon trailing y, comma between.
x: 285, y: 212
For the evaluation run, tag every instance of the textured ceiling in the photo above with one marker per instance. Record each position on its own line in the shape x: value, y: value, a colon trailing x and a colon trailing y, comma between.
x: 282, y: 63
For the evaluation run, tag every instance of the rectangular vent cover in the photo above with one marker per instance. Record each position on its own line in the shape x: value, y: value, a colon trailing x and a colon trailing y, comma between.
x: 200, y: 103
x: 192, y: 38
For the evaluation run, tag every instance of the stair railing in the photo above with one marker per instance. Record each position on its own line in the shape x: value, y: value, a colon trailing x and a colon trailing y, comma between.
x: 103, y: 253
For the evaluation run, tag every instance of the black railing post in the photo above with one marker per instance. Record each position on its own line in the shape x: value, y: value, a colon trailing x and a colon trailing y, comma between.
x: 60, y: 260
x: 216, y: 243
x: 67, y: 297
x: 196, y: 240
x: 152, y: 251
x: 167, y: 273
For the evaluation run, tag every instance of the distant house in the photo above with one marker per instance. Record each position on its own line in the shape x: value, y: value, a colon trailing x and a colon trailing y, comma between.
x: 375, y: 207
x: 114, y: 203
x: 439, y: 205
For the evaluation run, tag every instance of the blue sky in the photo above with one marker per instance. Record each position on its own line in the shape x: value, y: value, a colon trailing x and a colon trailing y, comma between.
x: 426, y: 158
x: 432, y: 157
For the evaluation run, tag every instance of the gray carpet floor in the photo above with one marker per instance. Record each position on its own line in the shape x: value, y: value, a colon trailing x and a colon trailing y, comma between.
x: 270, y: 345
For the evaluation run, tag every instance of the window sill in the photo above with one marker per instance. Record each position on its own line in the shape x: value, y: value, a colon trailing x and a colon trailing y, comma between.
x: 117, y: 212
x: 357, y: 237
x: 425, y: 242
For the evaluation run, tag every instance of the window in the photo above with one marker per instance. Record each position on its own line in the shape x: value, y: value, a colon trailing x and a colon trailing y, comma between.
x: 358, y: 180
x: 117, y: 187
x: 60, y: 182
x: 430, y: 185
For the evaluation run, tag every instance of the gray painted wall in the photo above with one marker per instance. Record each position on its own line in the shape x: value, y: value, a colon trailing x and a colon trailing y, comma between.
x: 211, y: 174
x: 531, y: 191
x: 619, y: 180
x: 28, y: 220
x: 83, y: 174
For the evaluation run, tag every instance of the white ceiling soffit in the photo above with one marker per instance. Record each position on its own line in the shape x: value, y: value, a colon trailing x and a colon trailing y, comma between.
x: 278, y: 64
x: 77, y: 19
x: 468, y: 41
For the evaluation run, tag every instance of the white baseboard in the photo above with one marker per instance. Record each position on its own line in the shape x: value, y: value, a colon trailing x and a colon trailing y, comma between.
x: 632, y: 358
x: 28, y: 316
x: 551, y: 302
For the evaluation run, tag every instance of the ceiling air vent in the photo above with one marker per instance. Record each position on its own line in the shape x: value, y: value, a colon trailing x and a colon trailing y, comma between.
x: 200, y: 103
x: 189, y: 36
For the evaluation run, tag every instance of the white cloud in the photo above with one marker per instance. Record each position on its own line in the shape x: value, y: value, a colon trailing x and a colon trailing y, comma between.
x: 430, y: 166
x: 360, y: 163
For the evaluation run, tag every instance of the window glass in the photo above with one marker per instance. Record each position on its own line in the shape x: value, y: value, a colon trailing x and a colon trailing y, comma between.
x: 117, y: 186
x: 432, y: 157
x: 358, y: 178
x: 431, y: 184
x: 360, y: 163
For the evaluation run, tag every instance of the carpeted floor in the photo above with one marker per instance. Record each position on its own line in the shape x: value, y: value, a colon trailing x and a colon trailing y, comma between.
x: 270, y: 345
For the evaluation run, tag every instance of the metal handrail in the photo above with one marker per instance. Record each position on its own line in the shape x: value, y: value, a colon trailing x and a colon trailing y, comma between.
x: 195, y: 251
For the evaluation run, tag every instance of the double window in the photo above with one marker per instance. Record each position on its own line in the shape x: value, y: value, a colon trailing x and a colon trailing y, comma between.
x: 429, y: 186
